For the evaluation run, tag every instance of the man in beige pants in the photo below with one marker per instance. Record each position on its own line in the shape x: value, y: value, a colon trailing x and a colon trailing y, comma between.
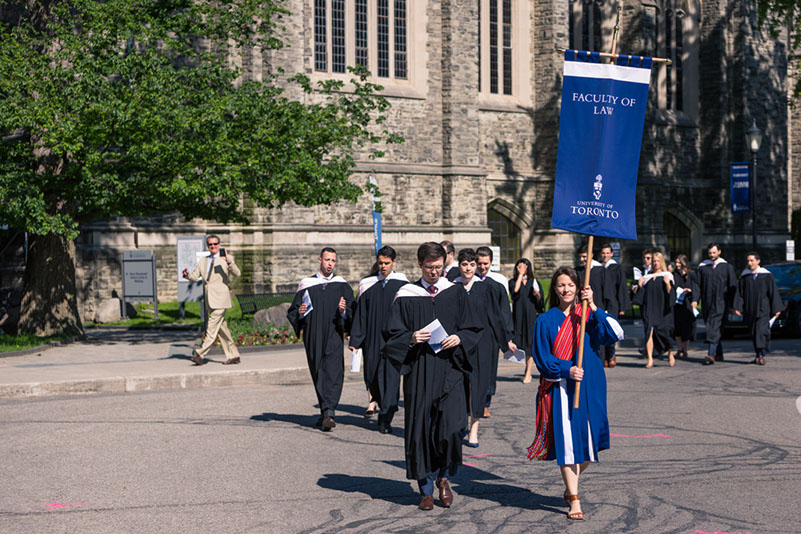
x: 215, y: 271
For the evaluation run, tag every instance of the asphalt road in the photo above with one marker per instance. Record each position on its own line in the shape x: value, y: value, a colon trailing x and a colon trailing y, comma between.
x: 694, y: 449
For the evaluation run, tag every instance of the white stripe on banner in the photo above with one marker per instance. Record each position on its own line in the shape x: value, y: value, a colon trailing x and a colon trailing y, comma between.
x: 581, y: 69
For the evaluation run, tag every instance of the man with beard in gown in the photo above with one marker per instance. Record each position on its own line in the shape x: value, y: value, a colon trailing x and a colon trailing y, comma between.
x: 718, y: 288
x: 433, y: 383
x: 500, y: 290
x: 329, y: 316
x: 617, y: 298
x: 484, y: 305
x: 376, y: 293
x: 758, y: 300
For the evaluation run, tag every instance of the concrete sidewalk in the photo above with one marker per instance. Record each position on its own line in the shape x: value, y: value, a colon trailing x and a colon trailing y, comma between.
x: 114, y: 361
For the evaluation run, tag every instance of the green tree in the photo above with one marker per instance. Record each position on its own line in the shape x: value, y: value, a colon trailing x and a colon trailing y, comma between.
x: 135, y: 107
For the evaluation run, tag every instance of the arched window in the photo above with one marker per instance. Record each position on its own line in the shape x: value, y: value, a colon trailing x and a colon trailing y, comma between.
x: 506, y: 235
x: 679, y: 237
x: 585, y: 21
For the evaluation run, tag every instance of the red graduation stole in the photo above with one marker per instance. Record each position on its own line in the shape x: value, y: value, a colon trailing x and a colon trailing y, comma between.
x: 564, y: 347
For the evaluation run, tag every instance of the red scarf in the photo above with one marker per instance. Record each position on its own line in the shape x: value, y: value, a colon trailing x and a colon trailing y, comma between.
x: 564, y: 348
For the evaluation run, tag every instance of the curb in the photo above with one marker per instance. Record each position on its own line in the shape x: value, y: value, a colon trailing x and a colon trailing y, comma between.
x: 257, y: 377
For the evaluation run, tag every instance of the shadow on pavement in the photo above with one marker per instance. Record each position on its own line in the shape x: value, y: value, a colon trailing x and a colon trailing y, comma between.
x: 308, y: 421
x: 394, y: 491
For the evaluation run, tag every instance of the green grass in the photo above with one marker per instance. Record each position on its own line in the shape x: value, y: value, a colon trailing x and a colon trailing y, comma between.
x: 168, y: 314
x: 19, y: 342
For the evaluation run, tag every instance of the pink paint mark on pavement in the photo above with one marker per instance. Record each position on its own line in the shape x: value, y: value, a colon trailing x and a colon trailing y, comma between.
x: 477, y: 455
x: 57, y: 505
x: 469, y: 465
x: 718, y: 532
x: 639, y: 437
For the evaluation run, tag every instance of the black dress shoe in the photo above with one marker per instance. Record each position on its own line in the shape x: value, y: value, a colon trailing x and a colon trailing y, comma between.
x: 427, y: 503
x: 719, y: 357
x: 328, y: 423
x: 384, y: 428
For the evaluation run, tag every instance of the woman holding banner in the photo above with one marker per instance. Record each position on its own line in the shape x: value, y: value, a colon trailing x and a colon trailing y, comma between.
x: 656, y: 297
x: 570, y: 436
x: 527, y: 304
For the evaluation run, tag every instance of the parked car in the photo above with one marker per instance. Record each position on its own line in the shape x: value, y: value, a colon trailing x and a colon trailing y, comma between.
x: 788, y: 279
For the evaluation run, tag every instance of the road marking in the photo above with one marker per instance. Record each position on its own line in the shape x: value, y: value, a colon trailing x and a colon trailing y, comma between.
x: 469, y: 465
x: 638, y: 437
x: 478, y: 455
x: 57, y: 505
x: 798, y: 404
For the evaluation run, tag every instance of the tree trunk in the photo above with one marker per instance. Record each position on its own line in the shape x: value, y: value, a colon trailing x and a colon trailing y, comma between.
x: 50, y: 303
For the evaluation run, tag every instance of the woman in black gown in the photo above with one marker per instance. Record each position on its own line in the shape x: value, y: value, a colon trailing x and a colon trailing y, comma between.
x: 527, y: 304
x: 656, y: 297
x: 687, y: 290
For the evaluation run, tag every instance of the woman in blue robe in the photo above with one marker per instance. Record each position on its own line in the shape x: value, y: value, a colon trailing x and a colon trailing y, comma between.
x: 571, y: 436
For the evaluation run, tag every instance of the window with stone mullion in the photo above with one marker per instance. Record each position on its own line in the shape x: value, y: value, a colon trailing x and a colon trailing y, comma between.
x: 493, y: 45
x: 320, y: 36
x: 400, y: 39
x: 507, y: 47
x: 382, y: 27
x: 360, y: 15
x: 338, y: 49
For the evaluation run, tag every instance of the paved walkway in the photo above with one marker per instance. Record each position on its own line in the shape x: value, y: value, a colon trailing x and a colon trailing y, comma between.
x: 112, y: 361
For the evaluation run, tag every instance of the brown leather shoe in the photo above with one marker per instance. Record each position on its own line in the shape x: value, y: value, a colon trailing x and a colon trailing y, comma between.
x: 231, y: 361
x: 613, y: 361
x: 487, y: 413
x: 427, y: 503
x: 606, y: 363
x: 445, y: 493
x: 197, y: 359
x: 328, y: 423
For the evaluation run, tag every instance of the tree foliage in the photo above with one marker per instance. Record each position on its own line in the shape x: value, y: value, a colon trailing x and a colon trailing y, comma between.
x: 136, y: 107
x: 779, y: 15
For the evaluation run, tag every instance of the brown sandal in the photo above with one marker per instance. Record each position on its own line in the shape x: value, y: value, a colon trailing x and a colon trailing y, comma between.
x: 574, y: 515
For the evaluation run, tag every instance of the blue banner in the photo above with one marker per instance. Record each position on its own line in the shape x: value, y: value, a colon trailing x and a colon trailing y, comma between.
x: 600, y: 134
x: 377, y: 230
x: 740, y: 179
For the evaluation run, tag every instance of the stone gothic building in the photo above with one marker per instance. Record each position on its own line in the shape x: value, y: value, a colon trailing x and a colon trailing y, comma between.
x: 475, y: 87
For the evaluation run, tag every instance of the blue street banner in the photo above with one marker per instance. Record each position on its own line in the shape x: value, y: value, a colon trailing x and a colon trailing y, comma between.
x: 740, y: 179
x: 600, y: 135
x: 376, y: 216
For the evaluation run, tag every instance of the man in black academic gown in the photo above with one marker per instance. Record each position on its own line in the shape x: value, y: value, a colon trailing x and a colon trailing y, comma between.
x: 323, y: 310
x: 718, y: 288
x: 598, y: 276
x: 500, y: 289
x: 617, y: 296
x: 433, y: 383
x: 451, y: 269
x: 758, y: 300
x: 376, y: 293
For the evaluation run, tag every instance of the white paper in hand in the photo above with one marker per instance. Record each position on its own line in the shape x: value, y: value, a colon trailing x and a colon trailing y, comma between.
x: 680, y: 295
x: 307, y: 301
x: 356, y: 361
x: 518, y: 356
x: 696, y: 313
x: 637, y: 274
x: 438, y: 334
x: 772, y: 320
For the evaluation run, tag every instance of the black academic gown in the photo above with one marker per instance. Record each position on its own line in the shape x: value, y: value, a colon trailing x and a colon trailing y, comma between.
x: 616, y: 299
x: 718, y: 287
x: 599, y: 283
x: 683, y: 317
x: 484, y: 305
x: 501, y: 296
x: 433, y: 383
x: 656, y: 304
x: 369, y: 318
x: 758, y: 299
x: 525, y: 309
x: 453, y: 273
x: 322, y: 330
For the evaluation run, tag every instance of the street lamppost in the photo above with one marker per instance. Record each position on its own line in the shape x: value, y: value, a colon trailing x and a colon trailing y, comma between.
x: 754, y: 138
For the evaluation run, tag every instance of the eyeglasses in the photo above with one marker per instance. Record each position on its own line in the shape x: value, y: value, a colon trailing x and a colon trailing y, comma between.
x: 217, y: 244
x: 432, y: 268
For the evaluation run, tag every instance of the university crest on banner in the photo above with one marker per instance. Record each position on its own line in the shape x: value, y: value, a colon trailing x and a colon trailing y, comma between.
x: 600, y: 135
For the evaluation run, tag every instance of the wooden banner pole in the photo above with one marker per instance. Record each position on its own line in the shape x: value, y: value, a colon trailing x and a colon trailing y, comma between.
x: 584, y: 307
